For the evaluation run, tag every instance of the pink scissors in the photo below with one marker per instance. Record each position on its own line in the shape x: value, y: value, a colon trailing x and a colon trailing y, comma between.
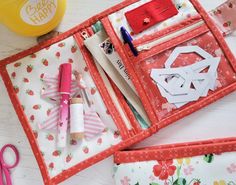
x: 4, y: 167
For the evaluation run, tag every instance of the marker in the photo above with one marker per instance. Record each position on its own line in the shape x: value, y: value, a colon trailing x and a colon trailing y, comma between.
x: 128, y: 39
x: 64, y: 90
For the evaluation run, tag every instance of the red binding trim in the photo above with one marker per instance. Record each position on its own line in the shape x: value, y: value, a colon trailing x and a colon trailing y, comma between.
x: 144, y: 134
x: 216, y: 32
x: 175, y: 151
x: 25, y: 124
x: 98, y: 157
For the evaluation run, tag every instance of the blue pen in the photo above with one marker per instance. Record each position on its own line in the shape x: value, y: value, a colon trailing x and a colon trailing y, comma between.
x: 128, y: 39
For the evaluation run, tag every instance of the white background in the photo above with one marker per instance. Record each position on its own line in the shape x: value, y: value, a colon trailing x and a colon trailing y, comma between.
x: 217, y: 120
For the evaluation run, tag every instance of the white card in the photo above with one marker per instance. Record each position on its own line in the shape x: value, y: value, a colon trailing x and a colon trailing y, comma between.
x: 109, y: 51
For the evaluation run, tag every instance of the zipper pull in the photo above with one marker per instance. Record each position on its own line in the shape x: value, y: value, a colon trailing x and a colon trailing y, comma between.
x: 84, y: 34
x: 143, y: 48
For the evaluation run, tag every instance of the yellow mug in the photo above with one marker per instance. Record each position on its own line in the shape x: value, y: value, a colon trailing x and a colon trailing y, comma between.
x: 31, y: 17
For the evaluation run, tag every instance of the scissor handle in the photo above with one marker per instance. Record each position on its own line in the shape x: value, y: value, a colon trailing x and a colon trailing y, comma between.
x: 2, y: 157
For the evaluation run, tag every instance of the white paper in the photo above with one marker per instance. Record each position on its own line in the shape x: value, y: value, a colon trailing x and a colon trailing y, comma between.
x: 182, y: 85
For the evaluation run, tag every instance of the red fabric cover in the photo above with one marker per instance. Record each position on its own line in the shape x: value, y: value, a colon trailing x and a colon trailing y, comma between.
x: 150, y: 14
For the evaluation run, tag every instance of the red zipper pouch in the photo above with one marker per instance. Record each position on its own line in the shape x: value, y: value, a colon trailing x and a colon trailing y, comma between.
x: 195, y: 163
x: 25, y: 73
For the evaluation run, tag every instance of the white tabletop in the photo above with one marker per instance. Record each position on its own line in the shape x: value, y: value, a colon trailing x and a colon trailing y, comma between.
x: 217, y: 120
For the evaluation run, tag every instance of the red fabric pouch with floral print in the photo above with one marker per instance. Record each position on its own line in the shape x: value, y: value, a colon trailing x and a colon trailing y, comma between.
x: 190, y: 38
x: 195, y: 163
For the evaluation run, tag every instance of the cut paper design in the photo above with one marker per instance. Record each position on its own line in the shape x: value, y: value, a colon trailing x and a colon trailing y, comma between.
x: 182, y: 85
x: 92, y: 122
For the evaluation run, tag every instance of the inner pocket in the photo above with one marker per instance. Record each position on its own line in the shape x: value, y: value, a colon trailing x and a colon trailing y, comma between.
x: 110, y: 63
x: 183, y: 71
x: 28, y: 76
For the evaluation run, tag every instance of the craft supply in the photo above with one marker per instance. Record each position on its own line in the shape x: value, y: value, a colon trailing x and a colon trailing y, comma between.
x: 110, y: 70
x: 81, y: 84
x: 149, y: 14
x: 50, y: 91
x: 64, y: 90
x: 182, y: 85
x: 5, y: 167
x: 109, y: 50
x: 76, y: 118
x: 128, y: 39
x: 93, y: 125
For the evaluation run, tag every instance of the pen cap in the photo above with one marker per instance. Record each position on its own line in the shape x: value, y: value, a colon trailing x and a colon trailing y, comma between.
x: 126, y: 36
x: 65, y: 78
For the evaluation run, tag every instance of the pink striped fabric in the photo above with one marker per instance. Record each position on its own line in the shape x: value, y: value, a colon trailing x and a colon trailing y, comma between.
x: 93, y: 125
x: 52, y: 120
x: 51, y: 90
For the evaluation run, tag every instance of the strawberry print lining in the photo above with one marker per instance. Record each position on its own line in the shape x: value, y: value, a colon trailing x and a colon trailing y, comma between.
x: 26, y: 75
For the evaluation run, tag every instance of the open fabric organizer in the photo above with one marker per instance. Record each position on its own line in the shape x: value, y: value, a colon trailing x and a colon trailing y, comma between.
x: 23, y: 74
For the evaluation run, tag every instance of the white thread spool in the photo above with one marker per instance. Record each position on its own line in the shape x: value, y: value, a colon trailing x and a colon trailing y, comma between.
x: 76, y: 118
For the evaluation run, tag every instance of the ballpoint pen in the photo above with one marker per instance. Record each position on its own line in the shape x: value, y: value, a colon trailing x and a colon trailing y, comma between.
x: 128, y: 39
x: 64, y: 90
